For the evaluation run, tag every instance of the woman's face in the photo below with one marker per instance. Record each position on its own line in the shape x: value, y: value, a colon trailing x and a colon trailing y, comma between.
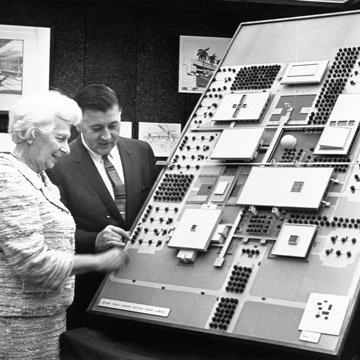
x: 48, y: 148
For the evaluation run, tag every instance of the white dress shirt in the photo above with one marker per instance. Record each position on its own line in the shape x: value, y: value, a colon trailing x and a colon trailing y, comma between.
x: 114, y: 157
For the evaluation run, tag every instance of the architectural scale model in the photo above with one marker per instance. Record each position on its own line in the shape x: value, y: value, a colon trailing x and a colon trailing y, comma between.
x: 252, y: 229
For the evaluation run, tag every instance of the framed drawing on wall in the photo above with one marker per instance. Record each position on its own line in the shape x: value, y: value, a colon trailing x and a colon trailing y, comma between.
x: 24, y: 62
x: 126, y: 129
x: 199, y: 57
x: 161, y: 136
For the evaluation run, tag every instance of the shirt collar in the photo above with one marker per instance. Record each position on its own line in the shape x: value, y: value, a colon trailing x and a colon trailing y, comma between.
x: 94, y: 155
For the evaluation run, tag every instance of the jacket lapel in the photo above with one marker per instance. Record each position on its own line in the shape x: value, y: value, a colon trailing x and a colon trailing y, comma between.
x: 128, y: 164
x: 52, y: 193
x: 88, y: 168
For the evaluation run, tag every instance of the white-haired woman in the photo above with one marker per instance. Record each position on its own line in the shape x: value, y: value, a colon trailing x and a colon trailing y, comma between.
x: 37, y: 258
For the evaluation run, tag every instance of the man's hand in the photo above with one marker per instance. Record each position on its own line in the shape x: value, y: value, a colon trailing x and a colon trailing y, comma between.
x: 109, y: 237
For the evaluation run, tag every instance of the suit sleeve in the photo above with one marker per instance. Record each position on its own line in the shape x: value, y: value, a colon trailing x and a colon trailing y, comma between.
x: 85, y: 241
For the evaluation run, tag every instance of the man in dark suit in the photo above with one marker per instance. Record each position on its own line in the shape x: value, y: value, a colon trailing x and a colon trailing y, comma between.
x: 87, y: 189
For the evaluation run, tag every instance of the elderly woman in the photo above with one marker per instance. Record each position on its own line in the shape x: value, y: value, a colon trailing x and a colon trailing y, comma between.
x: 37, y: 258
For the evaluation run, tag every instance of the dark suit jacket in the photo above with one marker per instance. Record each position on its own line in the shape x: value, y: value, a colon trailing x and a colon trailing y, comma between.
x: 86, y: 196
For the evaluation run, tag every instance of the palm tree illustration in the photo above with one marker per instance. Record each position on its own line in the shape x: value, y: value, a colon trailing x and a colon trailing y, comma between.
x: 203, y: 55
x: 213, y: 59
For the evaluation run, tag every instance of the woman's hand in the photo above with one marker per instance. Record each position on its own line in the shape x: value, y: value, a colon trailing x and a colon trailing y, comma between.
x: 113, y: 259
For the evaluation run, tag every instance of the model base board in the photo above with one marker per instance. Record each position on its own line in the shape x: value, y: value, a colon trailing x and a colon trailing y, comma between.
x: 258, y: 242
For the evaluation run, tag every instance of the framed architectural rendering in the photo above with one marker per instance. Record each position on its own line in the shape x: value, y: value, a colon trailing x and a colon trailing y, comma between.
x: 126, y: 129
x: 162, y: 137
x: 24, y: 62
x: 198, y: 59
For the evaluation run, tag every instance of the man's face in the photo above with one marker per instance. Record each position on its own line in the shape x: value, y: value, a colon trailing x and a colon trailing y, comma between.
x: 101, y: 129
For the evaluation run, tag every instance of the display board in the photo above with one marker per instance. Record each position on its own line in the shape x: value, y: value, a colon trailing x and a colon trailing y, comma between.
x: 252, y: 229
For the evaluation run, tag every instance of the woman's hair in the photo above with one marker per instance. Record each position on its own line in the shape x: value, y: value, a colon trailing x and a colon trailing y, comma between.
x: 36, y: 113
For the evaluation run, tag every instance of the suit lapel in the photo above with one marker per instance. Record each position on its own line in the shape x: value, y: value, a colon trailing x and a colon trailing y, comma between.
x: 51, y: 192
x: 128, y: 165
x: 88, y: 168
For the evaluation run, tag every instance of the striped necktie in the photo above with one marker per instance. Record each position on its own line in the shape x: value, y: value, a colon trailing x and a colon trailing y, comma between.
x: 117, y: 184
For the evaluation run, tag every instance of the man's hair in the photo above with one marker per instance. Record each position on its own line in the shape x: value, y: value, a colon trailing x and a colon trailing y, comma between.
x: 97, y: 97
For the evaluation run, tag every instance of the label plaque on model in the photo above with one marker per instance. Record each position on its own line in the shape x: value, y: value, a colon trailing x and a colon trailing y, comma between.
x: 134, y: 307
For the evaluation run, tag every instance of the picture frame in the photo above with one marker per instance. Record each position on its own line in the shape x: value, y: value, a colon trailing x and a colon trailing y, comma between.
x: 6, y: 144
x: 199, y: 57
x: 24, y: 62
x: 126, y: 129
x: 161, y: 136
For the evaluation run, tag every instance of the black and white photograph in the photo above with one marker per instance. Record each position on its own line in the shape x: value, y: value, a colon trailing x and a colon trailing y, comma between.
x: 180, y: 180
